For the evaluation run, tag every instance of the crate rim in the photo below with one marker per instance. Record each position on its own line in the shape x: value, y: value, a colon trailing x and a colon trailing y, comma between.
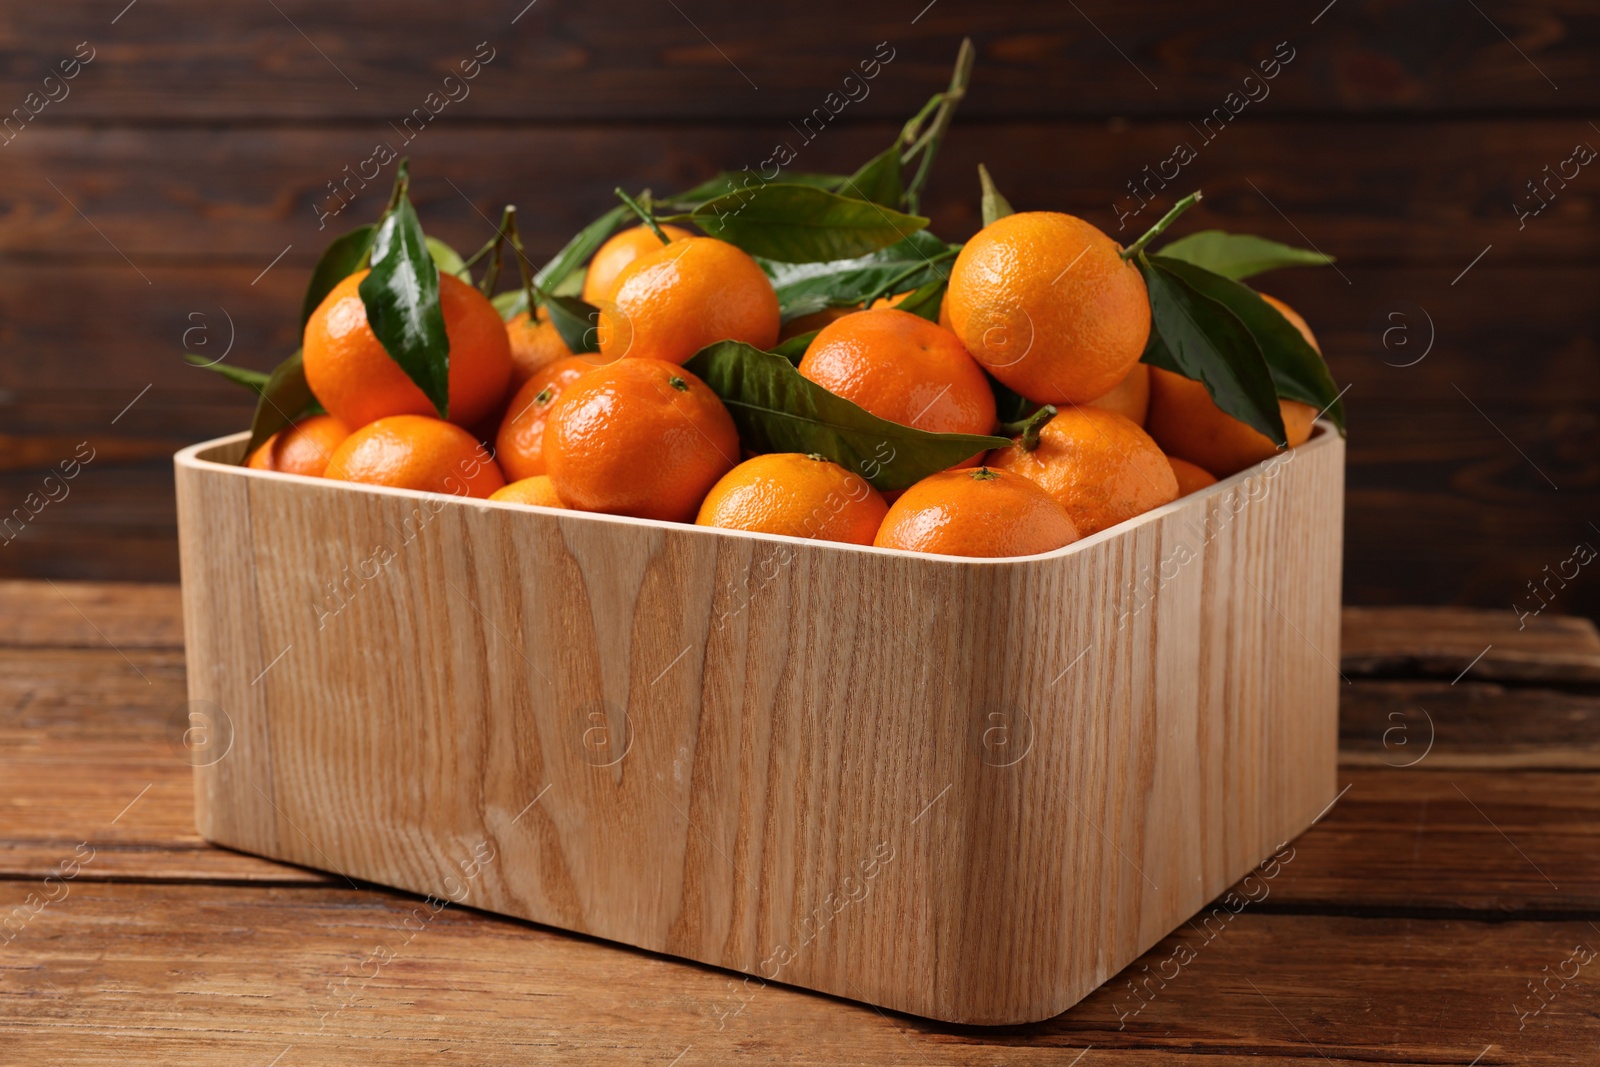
x: 1322, y: 433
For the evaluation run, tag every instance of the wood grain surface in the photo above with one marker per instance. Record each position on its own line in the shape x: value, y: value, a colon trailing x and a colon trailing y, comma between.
x: 1405, y: 929
x: 967, y: 789
x: 564, y: 60
x: 192, y: 149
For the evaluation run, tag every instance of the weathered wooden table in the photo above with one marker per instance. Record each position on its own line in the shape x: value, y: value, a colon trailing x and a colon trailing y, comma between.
x: 1444, y: 911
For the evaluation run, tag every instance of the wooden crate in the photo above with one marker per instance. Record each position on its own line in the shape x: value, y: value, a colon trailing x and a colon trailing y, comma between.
x: 967, y: 789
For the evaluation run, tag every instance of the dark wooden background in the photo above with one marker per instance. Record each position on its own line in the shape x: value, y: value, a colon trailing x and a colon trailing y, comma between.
x: 196, y: 147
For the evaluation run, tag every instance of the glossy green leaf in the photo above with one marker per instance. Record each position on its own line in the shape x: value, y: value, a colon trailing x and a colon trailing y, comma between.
x: 878, y: 180
x: 802, y: 224
x: 448, y: 260
x: 284, y: 398
x: 1240, y: 255
x: 736, y: 181
x: 1298, y: 371
x: 338, y: 261
x: 794, y: 349
x: 805, y: 288
x: 926, y: 301
x: 777, y: 410
x: 402, y: 300
x: 995, y: 205
x: 577, y: 323
x: 1200, y: 338
x: 253, y: 380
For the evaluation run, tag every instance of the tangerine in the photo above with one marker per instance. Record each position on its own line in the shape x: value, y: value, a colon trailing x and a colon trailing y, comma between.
x: 519, y: 446
x: 535, y: 344
x: 795, y: 495
x: 538, y: 491
x: 640, y: 437
x: 903, y: 368
x: 1130, y: 397
x: 1047, y: 304
x: 1187, y: 423
x: 1191, y: 479
x: 670, y: 303
x: 416, y: 452
x: 302, y: 448
x: 1097, y: 464
x: 357, y: 381
x: 977, y: 512
x: 620, y: 250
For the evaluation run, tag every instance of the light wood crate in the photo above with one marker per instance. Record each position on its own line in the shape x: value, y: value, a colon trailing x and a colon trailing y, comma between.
x: 966, y: 789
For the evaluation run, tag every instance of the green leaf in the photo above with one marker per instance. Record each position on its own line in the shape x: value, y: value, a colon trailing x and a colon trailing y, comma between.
x: 1200, y: 338
x: 1298, y: 371
x: 995, y: 206
x: 802, y: 224
x: 338, y: 261
x: 284, y: 398
x: 805, y: 288
x: 1240, y: 255
x: 448, y: 260
x: 576, y: 322
x: 926, y: 300
x: 737, y: 181
x: 402, y: 300
x: 878, y: 180
x: 795, y: 347
x: 777, y: 410
x: 253, y: 380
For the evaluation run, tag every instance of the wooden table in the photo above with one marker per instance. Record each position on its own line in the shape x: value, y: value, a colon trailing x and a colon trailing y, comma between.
x: 1444, y: 911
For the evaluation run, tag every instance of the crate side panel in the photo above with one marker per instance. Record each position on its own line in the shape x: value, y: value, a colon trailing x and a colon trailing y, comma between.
x: 224, y: 650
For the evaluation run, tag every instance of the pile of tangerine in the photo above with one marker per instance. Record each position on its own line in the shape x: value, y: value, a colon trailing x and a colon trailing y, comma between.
x: 1041, y: 300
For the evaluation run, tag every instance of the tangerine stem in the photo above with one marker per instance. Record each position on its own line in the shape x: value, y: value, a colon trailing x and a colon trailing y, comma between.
x: 647, y: 217
x: 530, y: 288
x: 1027, y: 430
x: 1161, y: 224
x: 928, y: 143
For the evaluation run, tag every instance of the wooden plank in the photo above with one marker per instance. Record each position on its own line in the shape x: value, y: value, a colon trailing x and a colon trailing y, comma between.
x: 89, y: 615
x: 1400, y: 723
x: 1437, y: 840
x: 145, y: 974
x: 714, y: 823
x: 245, y: 195
x: 1496, y: 645
x: 562, y: 60
x: 91, y: 745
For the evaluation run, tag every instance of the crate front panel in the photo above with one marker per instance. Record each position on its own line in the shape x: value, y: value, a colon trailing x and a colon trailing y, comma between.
x: 971, y: 790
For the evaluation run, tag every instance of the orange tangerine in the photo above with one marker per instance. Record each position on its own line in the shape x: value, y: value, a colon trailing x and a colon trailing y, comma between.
x: 670, y: 303
x: 617, y: 253
x: 976, y: 512
x: 519, y: 446
x: 796, y: 495
x: 303, y: 448
x: 539, y: 491
x: 416, y: 452
x: 1047, y: 304
x: 1191, y: 479
x: 1097, y: 464
x: 639, y: 437
x: 357, y: 381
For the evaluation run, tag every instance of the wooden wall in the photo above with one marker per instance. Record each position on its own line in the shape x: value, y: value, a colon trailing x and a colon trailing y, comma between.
x: 176, y: 187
